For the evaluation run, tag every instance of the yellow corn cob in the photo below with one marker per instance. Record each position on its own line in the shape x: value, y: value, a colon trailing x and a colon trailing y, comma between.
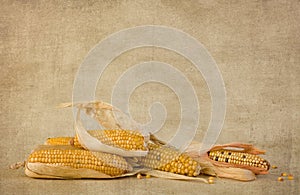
x: 108, y: 164
x: 240, y: 159
x: 125, y: 139
x: 168, y: 159
x: 75, y: 142
x: 62, y: 141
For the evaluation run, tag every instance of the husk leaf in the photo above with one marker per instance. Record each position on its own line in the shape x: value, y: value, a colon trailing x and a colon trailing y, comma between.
x: 93, y: 144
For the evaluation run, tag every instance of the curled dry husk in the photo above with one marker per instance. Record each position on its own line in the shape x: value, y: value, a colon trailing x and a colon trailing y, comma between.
x: 105, y: 114
x: 43, y: 171
x: 110, y: 118
x: 39, y: 170
x: 227, y: 170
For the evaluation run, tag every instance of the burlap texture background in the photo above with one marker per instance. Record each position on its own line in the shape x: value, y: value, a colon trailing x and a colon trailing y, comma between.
x: 254, y: 43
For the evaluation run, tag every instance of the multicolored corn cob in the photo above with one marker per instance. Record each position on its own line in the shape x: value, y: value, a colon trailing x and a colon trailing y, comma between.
x: 239, y: 158
x: 238, y: 155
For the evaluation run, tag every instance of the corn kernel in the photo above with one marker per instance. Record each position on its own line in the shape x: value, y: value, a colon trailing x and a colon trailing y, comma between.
x: 210, y: 181
x: 279, y: 179
x: 290, y: 177
x: 139, y: 176
x: 284, y: 174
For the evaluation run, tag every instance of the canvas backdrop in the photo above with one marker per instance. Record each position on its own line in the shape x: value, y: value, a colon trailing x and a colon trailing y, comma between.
x: 254, y: 43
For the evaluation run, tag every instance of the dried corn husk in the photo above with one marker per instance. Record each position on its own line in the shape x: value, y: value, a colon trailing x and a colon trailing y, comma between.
x: 106, y: 115
x: 109, y: 117
x: 93, y: 144
x: 240, y: 174
x: 168, y: 175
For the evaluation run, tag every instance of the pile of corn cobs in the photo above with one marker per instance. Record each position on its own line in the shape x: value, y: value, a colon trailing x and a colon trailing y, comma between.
x: 118, y: 153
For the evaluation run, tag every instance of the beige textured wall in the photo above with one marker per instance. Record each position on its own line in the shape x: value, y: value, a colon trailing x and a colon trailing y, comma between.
x: 255, y: 44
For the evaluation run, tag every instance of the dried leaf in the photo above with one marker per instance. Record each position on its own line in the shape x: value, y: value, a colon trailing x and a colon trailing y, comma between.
x: 110, y: 118
x: 17, y: 165
x: 156, y: 141
x: 168, y: 175
x: 107, y: 116
x: 230, y: 173
x: 247, y: 148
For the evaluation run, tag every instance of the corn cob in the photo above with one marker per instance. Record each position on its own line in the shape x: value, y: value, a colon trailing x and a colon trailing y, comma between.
x: 75, y: 142
x: 62, y: 141
x: 239, y: 159
x: 168, y: 159
x: 108, y: 164
x: 125, y: 139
